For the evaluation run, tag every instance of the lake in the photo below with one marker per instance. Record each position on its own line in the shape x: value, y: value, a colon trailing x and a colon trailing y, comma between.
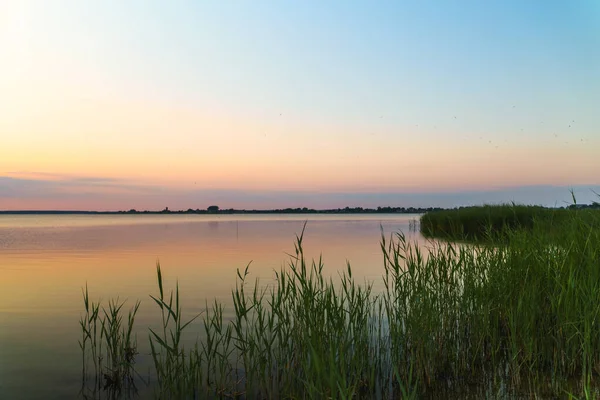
x: 46, y: 260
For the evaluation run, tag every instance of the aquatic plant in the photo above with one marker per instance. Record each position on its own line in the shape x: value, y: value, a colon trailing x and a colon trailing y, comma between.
x: 517, y: 316
x: 488, y: 222
x: 108, y: 341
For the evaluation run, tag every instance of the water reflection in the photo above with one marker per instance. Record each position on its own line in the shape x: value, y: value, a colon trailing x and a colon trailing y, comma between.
x: 45, y: 261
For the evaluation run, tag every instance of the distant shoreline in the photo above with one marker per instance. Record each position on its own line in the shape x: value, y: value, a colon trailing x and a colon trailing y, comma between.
x: 214, y: 210
x: 346, y: 210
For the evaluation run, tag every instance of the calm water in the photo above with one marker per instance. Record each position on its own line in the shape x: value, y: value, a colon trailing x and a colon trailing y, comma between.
x: 45, y: 261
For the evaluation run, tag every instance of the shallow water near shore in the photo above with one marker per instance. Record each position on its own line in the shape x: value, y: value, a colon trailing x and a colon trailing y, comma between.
x: 46, y: 260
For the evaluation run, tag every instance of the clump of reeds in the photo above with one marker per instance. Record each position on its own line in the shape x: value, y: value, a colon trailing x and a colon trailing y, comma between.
x: 302, y: 336
x: 107, y: 339
x: 521, y: 314
x: 488, y: 223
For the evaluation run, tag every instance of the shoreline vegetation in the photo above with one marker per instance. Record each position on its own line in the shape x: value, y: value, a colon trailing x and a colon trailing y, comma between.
x: 496, y: 223
x: 517, y: 318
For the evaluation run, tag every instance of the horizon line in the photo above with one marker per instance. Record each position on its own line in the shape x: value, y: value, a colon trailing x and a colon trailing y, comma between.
x: 346, y: 209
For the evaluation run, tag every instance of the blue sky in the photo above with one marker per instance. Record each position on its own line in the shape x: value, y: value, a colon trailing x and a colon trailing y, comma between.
x: 309, y: 97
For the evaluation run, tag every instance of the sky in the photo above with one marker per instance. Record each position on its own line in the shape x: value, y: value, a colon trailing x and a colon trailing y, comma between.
x: 264, y: 104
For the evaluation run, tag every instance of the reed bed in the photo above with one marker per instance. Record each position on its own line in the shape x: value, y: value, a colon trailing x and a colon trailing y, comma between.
x: 518, y: 318
x: 488, y: 222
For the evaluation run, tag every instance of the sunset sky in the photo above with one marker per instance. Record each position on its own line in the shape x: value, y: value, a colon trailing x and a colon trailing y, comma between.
x: 259, y: 104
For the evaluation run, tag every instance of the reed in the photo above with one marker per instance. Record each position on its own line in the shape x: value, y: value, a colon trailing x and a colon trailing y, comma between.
x: 489, y: 223
x: 108, y: 341
x: 514, y: 317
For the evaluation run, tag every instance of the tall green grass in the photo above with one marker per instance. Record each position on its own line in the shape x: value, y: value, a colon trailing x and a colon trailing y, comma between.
x: 519, y: 318
x: 489, y: 223
x: 108, y: 342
